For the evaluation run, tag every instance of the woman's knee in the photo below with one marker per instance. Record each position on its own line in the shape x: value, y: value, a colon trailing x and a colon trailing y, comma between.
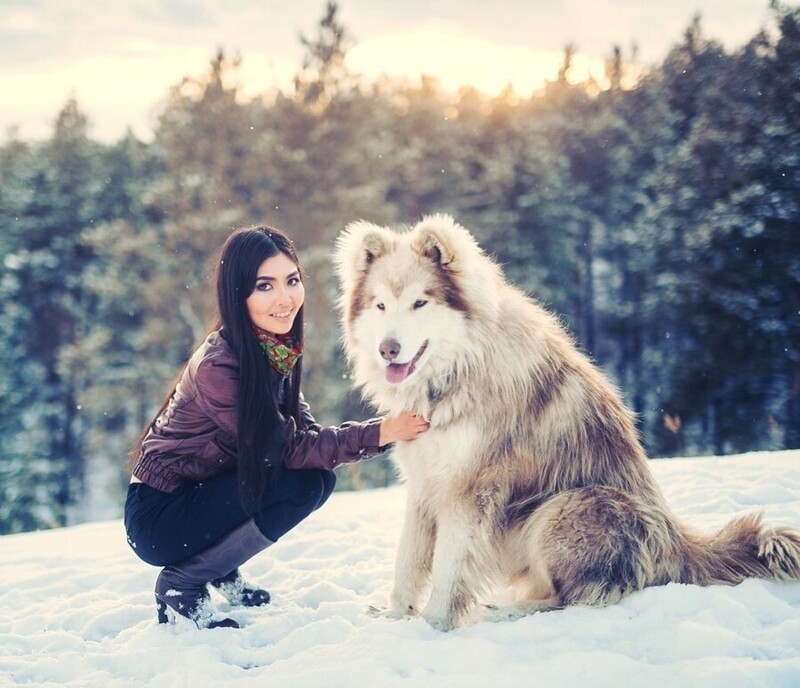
x: 328, y: 479
x: 309, y: 487
x: 297, y: 494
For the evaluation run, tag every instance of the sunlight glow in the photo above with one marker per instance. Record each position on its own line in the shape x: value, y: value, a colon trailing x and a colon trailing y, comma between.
x: 456, y: 59
x: 129, y: 85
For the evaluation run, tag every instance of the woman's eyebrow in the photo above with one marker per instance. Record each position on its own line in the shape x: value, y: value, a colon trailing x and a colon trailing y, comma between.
x: 269, y: 278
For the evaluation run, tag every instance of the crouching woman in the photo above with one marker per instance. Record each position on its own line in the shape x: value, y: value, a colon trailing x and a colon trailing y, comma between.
x: 233, y: 459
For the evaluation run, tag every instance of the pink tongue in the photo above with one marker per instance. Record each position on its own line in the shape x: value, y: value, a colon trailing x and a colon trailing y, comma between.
x: 396, y: 372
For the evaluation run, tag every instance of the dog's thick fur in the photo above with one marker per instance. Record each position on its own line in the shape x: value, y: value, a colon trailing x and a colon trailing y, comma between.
x: 531, y: 474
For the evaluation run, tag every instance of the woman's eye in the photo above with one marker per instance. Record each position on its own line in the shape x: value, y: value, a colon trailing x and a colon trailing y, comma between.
x: 380, y: 307
x: 263, y: 286
x: 419, y: 303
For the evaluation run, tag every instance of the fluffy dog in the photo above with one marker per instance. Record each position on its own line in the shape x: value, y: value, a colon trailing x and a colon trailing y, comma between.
x: 531, y: 474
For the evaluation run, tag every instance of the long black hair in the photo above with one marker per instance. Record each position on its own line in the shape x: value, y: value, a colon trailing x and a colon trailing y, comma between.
x: 265, y: 402
x: 262, y: 417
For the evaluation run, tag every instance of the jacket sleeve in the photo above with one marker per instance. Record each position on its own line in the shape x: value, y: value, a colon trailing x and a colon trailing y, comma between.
x: 216, y: 381
x: 318, y: 447
x: 306, y: 417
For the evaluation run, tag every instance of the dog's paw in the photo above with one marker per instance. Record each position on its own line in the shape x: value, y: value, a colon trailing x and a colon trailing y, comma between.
x: 496, y: 614
x: 499, y: 614
x: 387, y: 613
x: 376, y: 612
x: 440, y: 623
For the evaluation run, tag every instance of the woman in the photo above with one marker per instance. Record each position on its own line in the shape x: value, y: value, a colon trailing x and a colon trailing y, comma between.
x: 233, y: 459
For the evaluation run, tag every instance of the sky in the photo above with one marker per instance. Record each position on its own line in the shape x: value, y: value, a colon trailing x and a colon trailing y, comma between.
x: 78, y: 609
x: 119, y: 58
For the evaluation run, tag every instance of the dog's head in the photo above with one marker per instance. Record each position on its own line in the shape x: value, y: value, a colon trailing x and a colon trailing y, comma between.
x: 408, y: 297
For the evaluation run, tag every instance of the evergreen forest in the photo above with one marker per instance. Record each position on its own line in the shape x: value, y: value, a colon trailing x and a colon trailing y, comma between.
x: 658, y: 213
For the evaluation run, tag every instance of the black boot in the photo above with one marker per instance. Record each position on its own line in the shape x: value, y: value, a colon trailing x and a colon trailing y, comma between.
x: 238, y: 593
x: 182, y: 586
x: 194, y: 604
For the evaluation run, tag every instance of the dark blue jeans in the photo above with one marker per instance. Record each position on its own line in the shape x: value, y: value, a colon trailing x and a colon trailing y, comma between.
x: 164, y: 528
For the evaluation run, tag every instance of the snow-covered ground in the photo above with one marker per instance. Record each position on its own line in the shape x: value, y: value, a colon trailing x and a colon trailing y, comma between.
x: 76, y: 609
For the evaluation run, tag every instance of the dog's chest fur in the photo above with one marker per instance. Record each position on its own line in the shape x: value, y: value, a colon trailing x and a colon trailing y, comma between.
x: 440, y: 460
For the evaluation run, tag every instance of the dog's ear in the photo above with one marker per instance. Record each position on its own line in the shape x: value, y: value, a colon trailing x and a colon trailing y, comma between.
x: 374, y: 245
x: 358, y: 246
x: 434, y: 239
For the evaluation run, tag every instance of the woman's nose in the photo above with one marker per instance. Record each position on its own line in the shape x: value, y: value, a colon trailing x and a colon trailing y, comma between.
x: 281, y: 294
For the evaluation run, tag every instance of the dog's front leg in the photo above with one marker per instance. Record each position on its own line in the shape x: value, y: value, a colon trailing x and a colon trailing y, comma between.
x: 451, y: 596
x: 413, y: 563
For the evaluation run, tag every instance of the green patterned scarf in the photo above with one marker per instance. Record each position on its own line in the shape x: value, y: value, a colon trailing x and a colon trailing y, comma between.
x: 281, y: 351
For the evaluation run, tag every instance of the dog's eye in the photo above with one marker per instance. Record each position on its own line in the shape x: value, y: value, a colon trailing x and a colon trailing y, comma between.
x: 419, y: 303
x: 380, y: 307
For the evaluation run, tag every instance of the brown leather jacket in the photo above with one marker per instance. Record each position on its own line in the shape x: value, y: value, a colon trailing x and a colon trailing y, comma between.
x: 195, y: 437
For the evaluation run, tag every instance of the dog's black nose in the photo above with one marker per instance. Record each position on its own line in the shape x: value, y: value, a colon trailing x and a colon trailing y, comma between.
x: 390, y: 349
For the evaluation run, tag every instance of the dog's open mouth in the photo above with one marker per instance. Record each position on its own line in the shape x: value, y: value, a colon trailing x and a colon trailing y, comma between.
x: 397, y: 372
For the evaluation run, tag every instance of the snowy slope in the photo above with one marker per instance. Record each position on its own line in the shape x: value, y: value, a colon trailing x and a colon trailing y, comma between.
x: 76, y: 610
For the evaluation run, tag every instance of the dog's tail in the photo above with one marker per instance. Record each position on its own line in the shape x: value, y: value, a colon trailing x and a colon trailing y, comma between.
x: 743, y: 548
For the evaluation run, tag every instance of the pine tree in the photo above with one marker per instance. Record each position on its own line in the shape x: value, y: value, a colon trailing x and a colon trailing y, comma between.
x: 28, y: 489
x: 48, y: 303
x: 123, y: 386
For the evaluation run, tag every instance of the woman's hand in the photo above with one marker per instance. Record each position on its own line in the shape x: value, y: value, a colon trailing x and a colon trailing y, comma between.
x: 406, y: 426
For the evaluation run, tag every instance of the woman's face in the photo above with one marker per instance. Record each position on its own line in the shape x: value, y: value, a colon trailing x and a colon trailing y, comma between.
x: 277, y: 296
